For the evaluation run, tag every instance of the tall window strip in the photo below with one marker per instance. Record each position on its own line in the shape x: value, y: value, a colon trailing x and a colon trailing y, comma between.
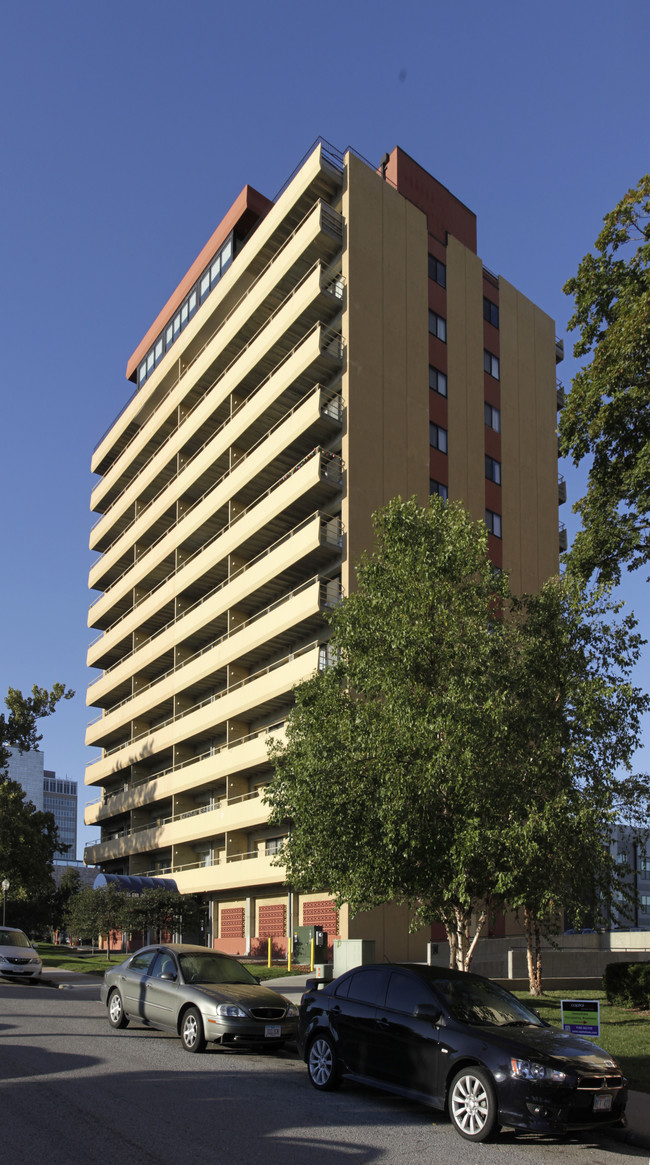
x: 437, y: 437
x: 438, y: 326
x: 493, y: 523
x: 492, y: 417
x: 437, y: 487
x: 490, y: 312
x: 437, y: 271
x: 493, y: 470
x: 491, y: 364
x: 437, y: 380
x: 182, y: 316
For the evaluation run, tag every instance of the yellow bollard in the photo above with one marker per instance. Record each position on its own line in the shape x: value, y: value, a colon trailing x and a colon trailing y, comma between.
x: 269, y: 952
x: 313, y: 947
x: 288, y: 952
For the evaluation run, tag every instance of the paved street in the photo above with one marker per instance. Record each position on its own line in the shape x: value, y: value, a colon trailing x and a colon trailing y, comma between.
x: 105, y: 1095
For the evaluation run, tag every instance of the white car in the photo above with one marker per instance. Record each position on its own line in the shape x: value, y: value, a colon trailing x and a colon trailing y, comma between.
x: 18, y: 959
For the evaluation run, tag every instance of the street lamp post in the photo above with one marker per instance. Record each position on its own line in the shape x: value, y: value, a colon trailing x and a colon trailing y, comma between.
x: 5, y: 887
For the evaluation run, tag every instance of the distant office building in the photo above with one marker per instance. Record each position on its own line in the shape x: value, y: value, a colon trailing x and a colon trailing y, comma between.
x: 636, y: 857
x: 48, y: 794
x: 27, y: 769
x: 60, y: 799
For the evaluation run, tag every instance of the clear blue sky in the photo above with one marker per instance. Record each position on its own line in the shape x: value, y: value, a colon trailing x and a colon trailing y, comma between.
x: 127, y: 131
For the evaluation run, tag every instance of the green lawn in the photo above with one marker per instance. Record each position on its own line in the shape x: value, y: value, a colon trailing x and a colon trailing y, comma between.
x: 623, y: 1033
x: 66, y: 958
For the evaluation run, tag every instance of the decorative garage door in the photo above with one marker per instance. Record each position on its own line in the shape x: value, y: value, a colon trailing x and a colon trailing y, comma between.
x: 232, y: 922
x: 272, y: 921
x: 322, y: 914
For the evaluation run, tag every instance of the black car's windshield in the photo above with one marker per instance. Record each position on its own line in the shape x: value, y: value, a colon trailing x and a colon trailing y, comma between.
x: 478, y: 1001
x: 213, y: 968
x: 13, y: 938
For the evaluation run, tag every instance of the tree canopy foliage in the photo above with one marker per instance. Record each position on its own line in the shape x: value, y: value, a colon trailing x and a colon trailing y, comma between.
x: 108, y: 910
x: 28, y: 837
x: 454, y: 753
x: 607, y: 413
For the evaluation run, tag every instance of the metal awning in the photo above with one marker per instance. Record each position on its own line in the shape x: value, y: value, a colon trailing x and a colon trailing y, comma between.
x: 133, y: 883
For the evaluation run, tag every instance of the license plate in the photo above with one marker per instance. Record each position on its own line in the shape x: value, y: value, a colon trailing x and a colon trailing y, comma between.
x: 273, y: 1031
x: 602, y: 1103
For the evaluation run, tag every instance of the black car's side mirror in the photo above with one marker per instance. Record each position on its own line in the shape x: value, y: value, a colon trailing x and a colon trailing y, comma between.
x: 313, y: 984
x: 428, y: 1011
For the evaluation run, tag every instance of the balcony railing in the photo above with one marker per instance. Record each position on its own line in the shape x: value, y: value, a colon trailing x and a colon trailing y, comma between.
x: 213, y: 699
x: 329, y: 596
x: 331, y: 530
x: 136, y: 830
x: 329, y: 218
x: 331, y: 469
x: 137, y: 782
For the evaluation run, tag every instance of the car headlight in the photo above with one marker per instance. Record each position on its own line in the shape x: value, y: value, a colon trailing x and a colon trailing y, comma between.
x: 3, y: 960
x: 291, y: 1012
x: 529, y: 1070
x: 231, y: 1011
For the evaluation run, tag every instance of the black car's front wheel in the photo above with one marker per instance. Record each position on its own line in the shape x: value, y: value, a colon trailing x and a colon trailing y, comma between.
x: 116, y: 1016
x: 322, y: 1064
x: 473, y: 1104
x: 192, y: 1037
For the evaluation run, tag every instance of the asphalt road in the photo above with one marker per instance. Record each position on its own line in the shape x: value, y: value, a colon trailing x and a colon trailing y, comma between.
x: 135, y: 1095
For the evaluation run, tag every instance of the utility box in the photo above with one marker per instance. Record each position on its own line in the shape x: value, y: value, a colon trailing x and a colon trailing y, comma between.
x: 302, y: 939
x: 352, y: 952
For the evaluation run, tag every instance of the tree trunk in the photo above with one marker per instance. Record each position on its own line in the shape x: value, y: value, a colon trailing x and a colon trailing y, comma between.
x: 533, y: 952
x: 462, y: 943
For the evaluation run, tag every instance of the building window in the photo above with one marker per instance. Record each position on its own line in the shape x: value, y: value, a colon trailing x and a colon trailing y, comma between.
x: 644, y: 863
x: 493, y: 470
x: 437, y: 271
x: 493, y: 523
x: 491, y: 364
x: 273, y: 845
x: 490, y: 312
x: 436, y: 487
x: 437, y: 437
x: 195, y: 296
x: 438, y: 326
x: 492, y: 417
x: 437, y: 381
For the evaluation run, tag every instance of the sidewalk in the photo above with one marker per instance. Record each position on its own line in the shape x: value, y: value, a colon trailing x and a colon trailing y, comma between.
x: 638, y: 1105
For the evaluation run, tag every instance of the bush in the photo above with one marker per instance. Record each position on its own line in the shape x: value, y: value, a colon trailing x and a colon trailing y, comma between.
x: 627, y: 984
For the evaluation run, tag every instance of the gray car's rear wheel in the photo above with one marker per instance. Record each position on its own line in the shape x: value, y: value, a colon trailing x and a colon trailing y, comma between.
x: 473, y: 1104
x: 116, y: 1016
x: 192, y: 1036
x: 322, y: 1064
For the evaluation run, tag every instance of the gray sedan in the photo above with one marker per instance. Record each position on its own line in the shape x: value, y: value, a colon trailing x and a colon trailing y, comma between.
x: 200, y: 994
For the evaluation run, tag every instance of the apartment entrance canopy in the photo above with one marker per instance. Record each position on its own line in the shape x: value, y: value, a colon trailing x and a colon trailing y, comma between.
x: 133, y: 883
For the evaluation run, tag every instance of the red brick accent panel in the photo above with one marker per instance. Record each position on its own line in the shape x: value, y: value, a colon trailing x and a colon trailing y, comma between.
x: 232, y: 922
x: 322, y: 914
x: 271, y: 922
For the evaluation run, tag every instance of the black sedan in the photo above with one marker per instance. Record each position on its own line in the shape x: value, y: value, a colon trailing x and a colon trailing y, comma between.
x: 460, y: 1042
x: 200, y: 994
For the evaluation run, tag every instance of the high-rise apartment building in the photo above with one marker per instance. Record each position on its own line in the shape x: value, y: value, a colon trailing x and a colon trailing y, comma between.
x: 324, y: 353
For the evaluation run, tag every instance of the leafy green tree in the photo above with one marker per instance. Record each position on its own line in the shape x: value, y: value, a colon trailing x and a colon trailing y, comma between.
x: 28, y: 837
x: 607, y: 413
x: 164, y: 912
x: 574, y: 728
x: 392, y: 772
x: 18, y: 728
x: 96, y: 912
x: 462, y: 750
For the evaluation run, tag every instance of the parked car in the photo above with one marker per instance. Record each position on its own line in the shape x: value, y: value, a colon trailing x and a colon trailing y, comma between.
x: 200, y: 994
x: 18, y: 958
x: 460, y: 1042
